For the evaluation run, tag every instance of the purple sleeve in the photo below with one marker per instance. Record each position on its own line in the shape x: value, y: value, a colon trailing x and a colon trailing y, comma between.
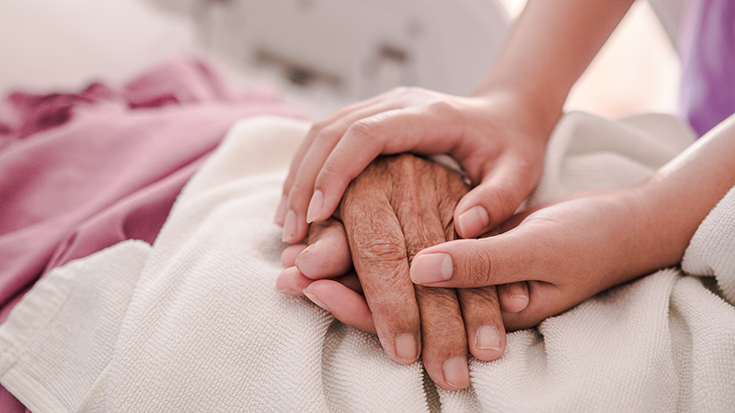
x: 708, y: 63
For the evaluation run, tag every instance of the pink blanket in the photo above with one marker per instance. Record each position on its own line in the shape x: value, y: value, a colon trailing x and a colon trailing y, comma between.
x: 82, y: 171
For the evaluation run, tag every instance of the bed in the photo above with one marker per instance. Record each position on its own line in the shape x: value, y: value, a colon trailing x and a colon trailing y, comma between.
x: 147, y: 201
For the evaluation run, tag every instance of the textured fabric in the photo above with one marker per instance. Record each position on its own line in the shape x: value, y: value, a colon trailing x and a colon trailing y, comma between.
x: 708, y: 63
x: 204, y: 330
x: 712, y: 249
x: 82, y: 171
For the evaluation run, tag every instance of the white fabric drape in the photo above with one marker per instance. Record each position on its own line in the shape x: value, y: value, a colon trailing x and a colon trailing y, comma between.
x: 192, y: 323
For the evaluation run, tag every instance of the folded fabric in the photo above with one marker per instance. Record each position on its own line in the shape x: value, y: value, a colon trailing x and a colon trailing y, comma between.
x: 204, y: 330
x: 83, y: 171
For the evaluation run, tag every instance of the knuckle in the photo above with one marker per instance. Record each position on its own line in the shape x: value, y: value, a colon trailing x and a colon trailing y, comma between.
x: 478, y: 266
x: 393, y: 301
x: 373, y: 252
x: 503, y: 199
x: 318, y: 126
x: 363, y: 130
x: 441, y: 319
x: 299, y: 190
x: 331, y: 170
x: 326, y: 135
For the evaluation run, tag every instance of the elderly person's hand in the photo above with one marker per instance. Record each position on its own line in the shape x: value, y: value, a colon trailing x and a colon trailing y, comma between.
x: 499, y: 139
x: 396, y: 207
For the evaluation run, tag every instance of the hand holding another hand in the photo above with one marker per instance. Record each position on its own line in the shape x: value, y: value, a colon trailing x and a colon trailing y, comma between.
x: 397, y: 207
x: 499, y: 139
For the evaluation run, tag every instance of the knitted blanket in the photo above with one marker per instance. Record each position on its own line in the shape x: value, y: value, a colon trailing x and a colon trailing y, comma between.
x: 192, y: 322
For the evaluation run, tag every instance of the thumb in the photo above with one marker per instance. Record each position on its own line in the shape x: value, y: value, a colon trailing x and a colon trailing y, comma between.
x: 496, y: 198
x: 501, y: 259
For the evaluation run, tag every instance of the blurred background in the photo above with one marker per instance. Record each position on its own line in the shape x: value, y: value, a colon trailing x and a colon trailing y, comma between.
x: 321, y: 54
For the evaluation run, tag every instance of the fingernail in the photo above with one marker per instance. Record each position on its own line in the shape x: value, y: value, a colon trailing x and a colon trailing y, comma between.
x: 431, y: 268
x: 281, y: 210
x: 302, y: 254
x: 472, y: 222
x: 487, y: 338
x: 303, y: 263
x: 516, y: 291
x: 289, y: 226
x: 406, y: 348
x: 290, y: 254
x: 316, y: 300
x: 456, y: 372
x: 517, y: 298
x: 288, y: 291
x: 315, y: 206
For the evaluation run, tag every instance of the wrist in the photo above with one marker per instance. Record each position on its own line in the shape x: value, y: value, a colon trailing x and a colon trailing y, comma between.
x: 539, y: 107
x: 667, y: 223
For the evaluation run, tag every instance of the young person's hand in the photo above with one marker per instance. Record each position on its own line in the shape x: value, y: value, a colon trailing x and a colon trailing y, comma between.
x: 496, y: 138
x: 498, y: 135
x: 566, y: 251
x: 574, y: 248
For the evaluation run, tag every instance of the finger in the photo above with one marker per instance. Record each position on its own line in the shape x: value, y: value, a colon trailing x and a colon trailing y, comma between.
x: 289, y: 254
x: 346, y: 305
x: 351, y: 281
x: 506, y: 185
x: 292, y: 282
x: 444, y: 347
x: 513, y: 297
x: 304, y: 147
x: 328, y: 253
x: 379, y: 258
x: 388, y: 132
x: 302, y: 197
x: 521, y: 254
x: 502, y: 259
x: 483, y: 322
x: 444, y: 341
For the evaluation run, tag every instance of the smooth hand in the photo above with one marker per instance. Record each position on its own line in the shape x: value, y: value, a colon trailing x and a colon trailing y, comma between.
x: 567, y: 251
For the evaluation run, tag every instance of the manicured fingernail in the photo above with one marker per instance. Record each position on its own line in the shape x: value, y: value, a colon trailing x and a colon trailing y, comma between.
x: 456, y: 372
x: 472, y: 222
x: 289, y: 226
x: 281, y: 210
x: 315, y: 206
x: 406, y: 348
x: 431, y: 268
x: 487, y: 338
x: 316, y: 300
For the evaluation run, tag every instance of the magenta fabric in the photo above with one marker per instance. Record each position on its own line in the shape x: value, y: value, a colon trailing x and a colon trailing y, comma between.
x: 708, y: 63
x: 83, y: 171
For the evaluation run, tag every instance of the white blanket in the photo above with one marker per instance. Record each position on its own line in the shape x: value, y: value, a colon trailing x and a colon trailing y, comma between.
x: 193, y: 323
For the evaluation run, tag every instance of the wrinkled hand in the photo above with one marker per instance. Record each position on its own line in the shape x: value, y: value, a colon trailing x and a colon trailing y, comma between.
x: 497, y: 139
x: 397, y: 207
x: 567, y: 251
